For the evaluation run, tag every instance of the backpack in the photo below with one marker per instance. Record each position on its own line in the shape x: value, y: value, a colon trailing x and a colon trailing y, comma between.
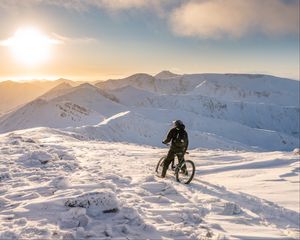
x: 180, y: 139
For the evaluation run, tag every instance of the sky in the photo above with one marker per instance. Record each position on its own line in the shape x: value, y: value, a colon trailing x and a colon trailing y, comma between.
x: 101, y: 39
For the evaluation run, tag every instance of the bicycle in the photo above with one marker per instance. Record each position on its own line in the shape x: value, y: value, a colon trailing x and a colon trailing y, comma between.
x: 184, y: 170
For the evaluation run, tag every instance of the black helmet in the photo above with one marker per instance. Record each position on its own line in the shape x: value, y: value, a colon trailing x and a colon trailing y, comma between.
x: 178, y: 123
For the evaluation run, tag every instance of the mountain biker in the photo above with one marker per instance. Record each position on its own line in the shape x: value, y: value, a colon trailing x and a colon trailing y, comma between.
x: 179, y: 144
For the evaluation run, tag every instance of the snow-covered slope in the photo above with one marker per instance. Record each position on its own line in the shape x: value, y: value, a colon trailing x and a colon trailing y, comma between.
x: 58, y: 90
x: 14, y: 94
x: 79, y: 106
x: 283, y: 119
x: 229, y: 87
x: 59, y: 185
x: 140, y: 80
x: 93, y: 178
x: 165, y: 74
x: 254, y: 110
x: 132, y: 96
x: 249, y: 88
x: 150, y: 127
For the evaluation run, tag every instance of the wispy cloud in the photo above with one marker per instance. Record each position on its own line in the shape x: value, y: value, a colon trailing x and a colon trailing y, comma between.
x: 159, y: 6
x: 79, y: 40
x: 122, y: 4
x: 82, y: 5
x: 29, y: 36
x: 199, y: 18
x: 52, y: 39
x: 235, y: 18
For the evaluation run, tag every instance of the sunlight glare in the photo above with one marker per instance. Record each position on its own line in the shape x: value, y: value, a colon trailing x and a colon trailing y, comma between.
x: 30, y: 46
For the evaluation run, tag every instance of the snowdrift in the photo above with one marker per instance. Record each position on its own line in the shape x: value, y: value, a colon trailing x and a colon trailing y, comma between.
x: 132, y: 127
x: 58, y: 185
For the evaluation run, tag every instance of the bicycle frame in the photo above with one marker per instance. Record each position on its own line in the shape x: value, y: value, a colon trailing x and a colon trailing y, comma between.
x: 181, y: 160
x: 186, y: 167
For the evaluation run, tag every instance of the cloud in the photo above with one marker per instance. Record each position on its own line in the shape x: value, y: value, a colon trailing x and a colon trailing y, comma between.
x: 198, y: 18
x: 29, y: 36
x: 51, y: 39
x: 158, y: 7
x: 79, y: 40
x: 83, y: 5
x: 80, y: 5
x: 122, y: 4
x: 235, y: 18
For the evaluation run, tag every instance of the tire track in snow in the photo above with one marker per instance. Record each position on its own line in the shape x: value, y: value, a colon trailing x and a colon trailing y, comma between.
x: 269, y: 212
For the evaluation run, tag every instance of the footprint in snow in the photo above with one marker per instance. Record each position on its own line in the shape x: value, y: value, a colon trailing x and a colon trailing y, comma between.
x: 3, y: 202
x: 21, y: 196
x: 4, y: 176
x: 60, y: 182
x: 159, y: 188
x: 226, y: 208
x: 157, y: 199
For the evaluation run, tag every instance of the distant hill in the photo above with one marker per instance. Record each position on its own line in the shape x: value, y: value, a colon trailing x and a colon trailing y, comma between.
x: 165, y: 74
x: 14, y: 94
x: 81, y: 105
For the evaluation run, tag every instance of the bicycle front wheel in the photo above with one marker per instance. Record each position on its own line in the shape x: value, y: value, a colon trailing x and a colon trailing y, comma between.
x: 160, y: 165
x: 185, y: 172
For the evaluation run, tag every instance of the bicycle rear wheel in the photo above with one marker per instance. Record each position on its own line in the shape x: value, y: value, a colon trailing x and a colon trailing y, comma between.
x: 185, y: 172
x: 160, y: 165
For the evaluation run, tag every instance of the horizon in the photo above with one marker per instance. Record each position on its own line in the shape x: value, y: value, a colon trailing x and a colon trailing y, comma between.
x: 100, y: 40
x: 113, y: 77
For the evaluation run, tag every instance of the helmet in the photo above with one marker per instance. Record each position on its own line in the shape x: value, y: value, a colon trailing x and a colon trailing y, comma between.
x: 178, y: 123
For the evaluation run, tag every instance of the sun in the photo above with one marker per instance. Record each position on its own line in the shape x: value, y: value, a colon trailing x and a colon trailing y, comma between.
x: 30, y: 46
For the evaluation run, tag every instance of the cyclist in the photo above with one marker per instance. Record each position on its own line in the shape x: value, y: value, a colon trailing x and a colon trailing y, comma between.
x: 179, y: 144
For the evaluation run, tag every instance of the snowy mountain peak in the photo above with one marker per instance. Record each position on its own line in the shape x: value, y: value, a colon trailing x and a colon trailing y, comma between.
x: 87, y: 85
x: 62, y: 80
x: 140, y: 76
x: 63, y: 85
x: 139, y: 80
x: 85, y: 89
x: 58, y: 90
x: 165, y: 74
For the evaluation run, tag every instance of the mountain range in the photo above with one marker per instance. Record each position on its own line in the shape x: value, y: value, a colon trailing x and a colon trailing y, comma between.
x: 78, y: 160
x: 220, y: 110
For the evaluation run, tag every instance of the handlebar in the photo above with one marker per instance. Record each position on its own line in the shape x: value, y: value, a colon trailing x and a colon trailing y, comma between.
x: 168, y: 144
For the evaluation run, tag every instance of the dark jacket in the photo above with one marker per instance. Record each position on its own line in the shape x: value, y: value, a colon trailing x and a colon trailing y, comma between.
x: 173, y: 134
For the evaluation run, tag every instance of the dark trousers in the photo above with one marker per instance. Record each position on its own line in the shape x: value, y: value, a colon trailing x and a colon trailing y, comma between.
x: 171, y: 158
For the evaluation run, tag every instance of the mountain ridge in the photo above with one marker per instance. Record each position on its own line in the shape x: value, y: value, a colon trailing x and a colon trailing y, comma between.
x: 252, y: 114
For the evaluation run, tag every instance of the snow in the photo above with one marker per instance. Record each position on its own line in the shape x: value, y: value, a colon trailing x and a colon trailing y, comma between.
x: 224, y: 122
x: 57, y: 91
x: 149, y: 128
x: 264, y: 116
x: 165, y: 74
x: 223, y: 111
x: 78, y: 106
x: 76, y: 188
x: 15, y: 94
x: 78, y: 162
x: 229, y: 87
